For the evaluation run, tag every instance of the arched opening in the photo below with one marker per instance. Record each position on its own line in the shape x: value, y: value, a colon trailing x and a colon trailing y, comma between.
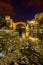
x: 20, y: 28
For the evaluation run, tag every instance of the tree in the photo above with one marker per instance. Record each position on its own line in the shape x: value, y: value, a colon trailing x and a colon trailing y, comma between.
x: 2, y: 22
x: 39, y: 19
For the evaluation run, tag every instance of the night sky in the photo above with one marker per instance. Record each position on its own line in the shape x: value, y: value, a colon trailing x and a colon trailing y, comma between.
x: 21, y: 10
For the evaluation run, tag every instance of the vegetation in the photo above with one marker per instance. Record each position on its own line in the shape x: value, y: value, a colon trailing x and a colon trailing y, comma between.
x: 39, y: 19
x: 2, y: 22
x: 18, y: 51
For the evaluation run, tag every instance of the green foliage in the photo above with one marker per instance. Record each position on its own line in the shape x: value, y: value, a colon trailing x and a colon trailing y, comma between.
x: 19, y: 50
x: 2, y: 21
x: 39, y: 19
x: 40, y: 36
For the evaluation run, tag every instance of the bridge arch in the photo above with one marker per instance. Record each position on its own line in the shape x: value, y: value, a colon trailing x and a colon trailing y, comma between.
x: 20, y: 23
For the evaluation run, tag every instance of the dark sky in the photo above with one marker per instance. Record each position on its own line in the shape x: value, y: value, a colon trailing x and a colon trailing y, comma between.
x: 21, y: 10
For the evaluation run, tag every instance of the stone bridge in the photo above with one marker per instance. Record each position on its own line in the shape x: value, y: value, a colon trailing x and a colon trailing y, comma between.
x: 14, y: 25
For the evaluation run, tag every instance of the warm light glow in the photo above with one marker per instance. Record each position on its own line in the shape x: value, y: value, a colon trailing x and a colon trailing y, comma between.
x: 13, y: 25
x: 36, y: 39
x: 33, y: 39
x: 27, y: 30
x: 7, y: 18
